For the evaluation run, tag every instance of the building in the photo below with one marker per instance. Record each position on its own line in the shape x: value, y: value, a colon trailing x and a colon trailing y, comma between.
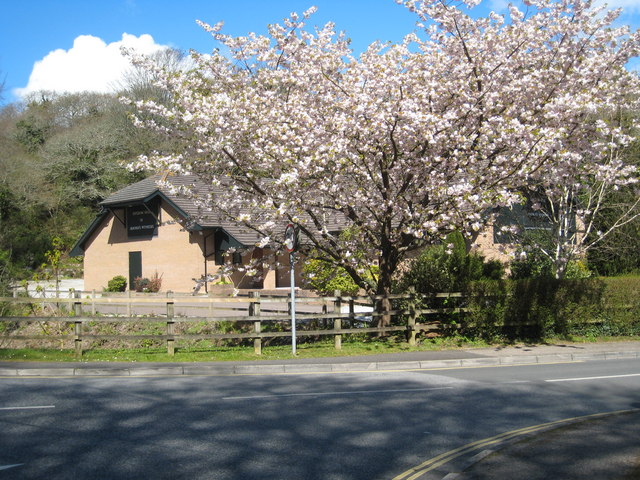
x: 145, y: 229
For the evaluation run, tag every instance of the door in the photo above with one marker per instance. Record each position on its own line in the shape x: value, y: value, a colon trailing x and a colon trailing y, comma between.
x: 135, y: 267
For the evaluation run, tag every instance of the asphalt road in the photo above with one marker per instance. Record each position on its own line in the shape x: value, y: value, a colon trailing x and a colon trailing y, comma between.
x: 365, y: 425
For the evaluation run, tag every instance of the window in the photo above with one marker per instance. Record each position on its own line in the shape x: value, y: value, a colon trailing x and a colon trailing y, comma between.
x: 223, y: 242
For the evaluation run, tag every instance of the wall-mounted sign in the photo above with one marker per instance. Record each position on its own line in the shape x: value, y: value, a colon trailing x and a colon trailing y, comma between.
x: 142, y: 221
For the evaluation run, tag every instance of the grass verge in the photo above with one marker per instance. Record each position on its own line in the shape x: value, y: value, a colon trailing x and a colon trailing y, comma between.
x: 230, y: 353
x: 276, y: 352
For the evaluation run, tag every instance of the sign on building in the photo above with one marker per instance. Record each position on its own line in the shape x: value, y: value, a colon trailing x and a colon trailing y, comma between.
x: 142, y: 221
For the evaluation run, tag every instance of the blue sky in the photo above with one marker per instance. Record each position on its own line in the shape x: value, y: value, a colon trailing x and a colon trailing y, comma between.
x: 71, y: 43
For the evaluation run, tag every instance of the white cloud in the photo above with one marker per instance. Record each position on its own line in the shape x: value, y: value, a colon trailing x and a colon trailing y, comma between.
x: 499, y: 5
x: 90, y: 65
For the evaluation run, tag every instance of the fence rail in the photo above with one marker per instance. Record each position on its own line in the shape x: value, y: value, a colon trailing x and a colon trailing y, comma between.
x: 263, y: 317
x: 339, y: 315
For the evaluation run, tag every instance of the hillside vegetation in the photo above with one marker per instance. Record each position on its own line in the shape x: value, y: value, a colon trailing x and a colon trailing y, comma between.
x: 60, y: 155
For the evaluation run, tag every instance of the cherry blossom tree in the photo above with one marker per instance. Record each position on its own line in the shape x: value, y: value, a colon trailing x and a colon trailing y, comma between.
x: 403, y: 143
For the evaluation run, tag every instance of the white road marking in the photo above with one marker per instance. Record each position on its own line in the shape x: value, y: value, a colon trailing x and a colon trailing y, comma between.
x: 579, y: 379
x: 28, y: 408
x: 353, y: 392
x: 7, y: 467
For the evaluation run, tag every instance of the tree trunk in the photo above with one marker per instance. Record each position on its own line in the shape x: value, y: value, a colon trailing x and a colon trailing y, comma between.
x: 383, y: 305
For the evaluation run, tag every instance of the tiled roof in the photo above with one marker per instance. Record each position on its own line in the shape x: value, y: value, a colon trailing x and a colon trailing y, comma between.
x: 153, y: 186
x: 133, y: 193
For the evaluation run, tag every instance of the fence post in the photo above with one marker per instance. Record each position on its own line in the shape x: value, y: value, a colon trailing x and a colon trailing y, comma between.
x: 325, y: 310
x: 411, y: 320
x: 352, y: 310
x: 171, y: 350
x: 93, y: 302
x: 77, y: 328
x: 129, y: 303
x: 337, y: 322
x: 254, y: 311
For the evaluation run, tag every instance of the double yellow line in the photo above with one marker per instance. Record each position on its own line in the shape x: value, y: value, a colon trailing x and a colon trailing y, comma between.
x: 435, y: 462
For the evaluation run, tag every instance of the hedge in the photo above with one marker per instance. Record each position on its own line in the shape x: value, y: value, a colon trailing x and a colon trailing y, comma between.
x: 533, y: 309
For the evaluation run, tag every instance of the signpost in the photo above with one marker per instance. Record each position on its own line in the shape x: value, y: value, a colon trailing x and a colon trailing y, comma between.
x: 291, y: 244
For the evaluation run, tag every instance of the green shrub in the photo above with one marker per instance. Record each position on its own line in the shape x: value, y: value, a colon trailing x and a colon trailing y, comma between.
x: 538, y: 308
x: 577, y: 269
x: 447, y: 268
x: 325, y: 279
x: 531, y: 263
x: 487, y: 303
x: 148, y: 285
x: 116, y: 284
x: 621, y: 306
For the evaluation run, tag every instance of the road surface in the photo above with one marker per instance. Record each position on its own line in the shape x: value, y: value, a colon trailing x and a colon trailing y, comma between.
x: 351, y: 426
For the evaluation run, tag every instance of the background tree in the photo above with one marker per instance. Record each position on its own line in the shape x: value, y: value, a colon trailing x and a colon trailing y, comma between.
x: 60, y: 155
x: 142, y: 84
x: 581, y: 199
x: 405, y: 143
x: 619, y: 251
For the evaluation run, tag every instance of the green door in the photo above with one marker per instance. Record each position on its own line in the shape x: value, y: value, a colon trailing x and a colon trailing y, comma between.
x: 135, y: 267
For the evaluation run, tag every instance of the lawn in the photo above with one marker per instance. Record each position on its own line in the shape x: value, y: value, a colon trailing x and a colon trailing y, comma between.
x: 273, y: 352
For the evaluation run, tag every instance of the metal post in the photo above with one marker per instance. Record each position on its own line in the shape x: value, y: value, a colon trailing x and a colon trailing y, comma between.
x: 293, y: 303
x: 254, y: 311
x: 171, y: 349
x: 337, y: 322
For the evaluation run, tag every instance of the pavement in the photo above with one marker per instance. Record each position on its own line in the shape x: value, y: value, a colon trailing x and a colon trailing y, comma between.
x: 599, y: 447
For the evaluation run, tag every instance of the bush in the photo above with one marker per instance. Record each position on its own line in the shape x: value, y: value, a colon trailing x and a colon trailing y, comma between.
x: 447, y: 268
x: 487, y: 302
x: 325, y: 279
x: 577, y: 269
x: 116, y: 284
x: 543, y: 307
x: 621, y: 307
x: 539, y: 308
x: 148, y: 285
x: 531, y: 264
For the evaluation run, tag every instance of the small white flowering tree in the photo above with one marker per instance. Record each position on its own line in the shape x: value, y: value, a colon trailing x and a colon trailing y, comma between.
x: 573, y: 195
x: 403, y: 143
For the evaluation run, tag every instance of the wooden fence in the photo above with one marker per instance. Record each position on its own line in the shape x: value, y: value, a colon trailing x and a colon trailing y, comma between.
x: 338, y: 315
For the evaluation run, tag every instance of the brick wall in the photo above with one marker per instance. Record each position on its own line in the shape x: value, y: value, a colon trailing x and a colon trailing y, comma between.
x: 174, y: 253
